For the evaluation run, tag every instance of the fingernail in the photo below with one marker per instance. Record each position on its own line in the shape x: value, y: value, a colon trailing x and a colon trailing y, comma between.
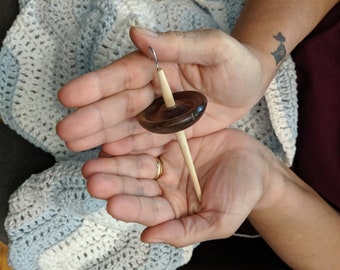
x: 146, y: 32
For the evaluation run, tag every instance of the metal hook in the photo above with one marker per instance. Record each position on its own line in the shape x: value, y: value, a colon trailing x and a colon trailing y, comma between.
x: 152, y: 53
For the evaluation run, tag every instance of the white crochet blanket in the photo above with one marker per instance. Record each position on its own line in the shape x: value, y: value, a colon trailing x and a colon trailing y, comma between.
x: 53, y: 223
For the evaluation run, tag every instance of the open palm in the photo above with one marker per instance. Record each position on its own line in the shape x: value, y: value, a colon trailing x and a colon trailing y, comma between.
x: 209, y: 61
x: 231, y: 175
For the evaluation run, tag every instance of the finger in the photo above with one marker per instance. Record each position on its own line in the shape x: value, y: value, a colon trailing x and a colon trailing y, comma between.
x: 111, y: 134
x: 155, y: 152
x: 189, y: 230
x: 203, y: 46
x: 105, y: 186
x: 104, y: 114
x: 143, y: 210
x: 137, y: 143
x: 136, y: 166
x: 132, y: 71
x: 132, y: 175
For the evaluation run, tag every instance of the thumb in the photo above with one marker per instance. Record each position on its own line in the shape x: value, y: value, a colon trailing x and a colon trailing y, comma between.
x: 188, y: 230
x: 205, y: 46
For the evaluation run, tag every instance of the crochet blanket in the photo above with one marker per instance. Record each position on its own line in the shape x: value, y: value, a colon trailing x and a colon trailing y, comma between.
x: 53, y: 223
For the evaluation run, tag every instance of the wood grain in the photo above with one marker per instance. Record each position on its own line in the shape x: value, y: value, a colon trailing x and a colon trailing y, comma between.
x: 3, y: 257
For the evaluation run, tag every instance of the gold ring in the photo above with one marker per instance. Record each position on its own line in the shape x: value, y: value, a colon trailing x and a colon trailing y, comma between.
x: 159, y: 165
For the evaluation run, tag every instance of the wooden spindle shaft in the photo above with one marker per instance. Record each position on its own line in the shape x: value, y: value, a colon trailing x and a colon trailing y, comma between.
x: 169, y: 102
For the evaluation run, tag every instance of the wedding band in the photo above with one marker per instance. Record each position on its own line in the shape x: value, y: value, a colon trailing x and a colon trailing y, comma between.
x: 159, y: 165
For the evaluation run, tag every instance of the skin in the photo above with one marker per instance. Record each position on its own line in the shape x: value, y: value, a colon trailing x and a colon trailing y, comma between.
x: 97, y: 122
x: 126, y: 182
x: 239, y: 179
x: 232, y: 71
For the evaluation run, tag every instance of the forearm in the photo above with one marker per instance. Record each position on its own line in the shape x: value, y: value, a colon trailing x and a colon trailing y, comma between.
x: 262, y: 20
x: 301, y: 227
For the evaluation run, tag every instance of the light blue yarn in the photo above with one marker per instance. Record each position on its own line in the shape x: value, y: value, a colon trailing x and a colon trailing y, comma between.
x: 9, y: 71
x: 46, y: 209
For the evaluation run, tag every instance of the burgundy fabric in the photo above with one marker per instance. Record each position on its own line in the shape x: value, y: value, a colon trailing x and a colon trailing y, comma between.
x: 317, y: 60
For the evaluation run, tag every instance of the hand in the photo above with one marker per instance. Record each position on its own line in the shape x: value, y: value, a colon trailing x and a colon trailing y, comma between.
x: 230, y: 74
x: 233, y: 173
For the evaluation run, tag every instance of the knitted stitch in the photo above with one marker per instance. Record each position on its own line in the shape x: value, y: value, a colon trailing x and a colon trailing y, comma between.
x: 53, y: 223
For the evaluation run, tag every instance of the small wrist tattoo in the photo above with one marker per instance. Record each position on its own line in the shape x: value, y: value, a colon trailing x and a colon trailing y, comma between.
x: 280, y: 53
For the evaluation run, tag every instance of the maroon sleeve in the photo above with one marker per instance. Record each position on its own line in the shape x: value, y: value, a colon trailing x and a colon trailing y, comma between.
x: 317, y: 61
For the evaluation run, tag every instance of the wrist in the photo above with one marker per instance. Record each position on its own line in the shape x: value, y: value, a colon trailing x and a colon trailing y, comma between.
x: 268, y: 66
x: 276, y: 179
